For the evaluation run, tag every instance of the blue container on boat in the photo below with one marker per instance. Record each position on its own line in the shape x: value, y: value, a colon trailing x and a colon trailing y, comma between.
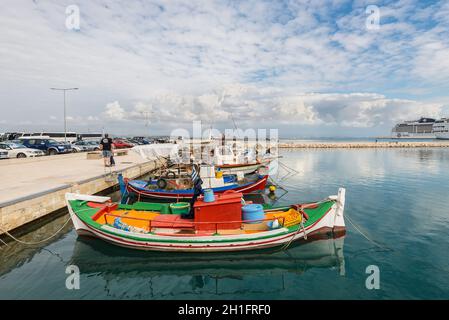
x: 253, y: 212
x: 120, y: 225
x: 209, y: 195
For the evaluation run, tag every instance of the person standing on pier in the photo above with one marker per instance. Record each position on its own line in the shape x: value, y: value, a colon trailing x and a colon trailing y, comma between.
x: 197, y: 189
x: 107, y: 147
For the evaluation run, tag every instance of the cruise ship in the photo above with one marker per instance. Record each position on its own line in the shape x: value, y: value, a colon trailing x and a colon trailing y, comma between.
x: 441, y: 128
x: 422, y: 128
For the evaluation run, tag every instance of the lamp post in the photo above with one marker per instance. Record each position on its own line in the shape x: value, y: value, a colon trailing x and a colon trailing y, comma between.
x: 65, y: 118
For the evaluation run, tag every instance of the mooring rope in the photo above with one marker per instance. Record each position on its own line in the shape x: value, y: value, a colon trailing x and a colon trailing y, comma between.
x: 3, y: 243
x: 366, y: 236
x: 290, y: 171
x: 37, y: 242
x: 286, y: 167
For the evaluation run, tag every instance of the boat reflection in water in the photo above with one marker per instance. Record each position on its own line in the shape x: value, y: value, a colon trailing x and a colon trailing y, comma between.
x: 169, y: 274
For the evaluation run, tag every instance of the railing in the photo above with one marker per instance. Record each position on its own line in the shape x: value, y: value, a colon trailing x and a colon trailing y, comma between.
x: 193, y: 223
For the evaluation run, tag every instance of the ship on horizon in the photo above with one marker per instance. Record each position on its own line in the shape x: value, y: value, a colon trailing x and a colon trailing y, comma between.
x: 415, y: 129
x: 441, y: 128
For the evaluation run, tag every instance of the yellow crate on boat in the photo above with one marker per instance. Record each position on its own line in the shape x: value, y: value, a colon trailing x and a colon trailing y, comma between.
x: 285, y: 218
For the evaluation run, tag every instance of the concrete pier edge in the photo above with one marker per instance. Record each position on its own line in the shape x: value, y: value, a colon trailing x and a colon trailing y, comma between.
x: 22, y: 211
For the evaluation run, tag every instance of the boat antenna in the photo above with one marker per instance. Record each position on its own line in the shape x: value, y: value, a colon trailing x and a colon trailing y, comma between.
x: 233, y: 121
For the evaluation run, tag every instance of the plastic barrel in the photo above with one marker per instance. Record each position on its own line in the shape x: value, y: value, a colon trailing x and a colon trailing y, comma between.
x: 180, y: 208
x: 253, y: 212
x: 209, y: 195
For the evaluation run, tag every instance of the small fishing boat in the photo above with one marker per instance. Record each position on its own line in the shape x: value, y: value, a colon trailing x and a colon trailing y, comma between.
x: 246, y: 160
x: 180, y: 188
x: 223, y: 223
x: 245, y: 168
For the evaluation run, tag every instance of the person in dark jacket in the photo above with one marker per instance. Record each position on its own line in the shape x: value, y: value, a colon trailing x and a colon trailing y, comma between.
x: 197, y: 188
x: 107, y: 147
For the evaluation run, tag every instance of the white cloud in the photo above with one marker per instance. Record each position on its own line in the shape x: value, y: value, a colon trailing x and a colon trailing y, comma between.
x: 113, y: 111
x: 93, y: 118
x: 257, y: 62
x: 249, y: 105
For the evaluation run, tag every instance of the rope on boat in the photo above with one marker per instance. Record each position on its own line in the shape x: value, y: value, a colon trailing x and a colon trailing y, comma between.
x: 287, y: 244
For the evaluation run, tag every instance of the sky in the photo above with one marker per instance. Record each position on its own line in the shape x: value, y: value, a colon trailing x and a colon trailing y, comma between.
x: 309, y: 68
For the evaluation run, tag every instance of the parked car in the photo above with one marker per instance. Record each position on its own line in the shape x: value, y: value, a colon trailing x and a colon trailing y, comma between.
x: 49, y: 146
x: 95, y: 145
x: 121, y: 143
x: 140, y: 140
x: 17, y: 150
x: 3, y: 154
x: 136, y: 141
x: 80, y: 146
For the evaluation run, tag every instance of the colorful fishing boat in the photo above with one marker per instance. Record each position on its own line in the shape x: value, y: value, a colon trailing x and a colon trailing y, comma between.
x: 224, y: 224
x: 247, y: 161
x: 175, y: 190
x: 245, y: 168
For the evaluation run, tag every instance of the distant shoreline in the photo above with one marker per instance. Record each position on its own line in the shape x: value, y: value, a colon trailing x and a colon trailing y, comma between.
x: 360, y: 145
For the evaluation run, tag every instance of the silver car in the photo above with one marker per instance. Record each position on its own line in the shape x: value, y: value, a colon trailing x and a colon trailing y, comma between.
x: 79, y: 146
x: 17, y: 150
x: 3, y: 154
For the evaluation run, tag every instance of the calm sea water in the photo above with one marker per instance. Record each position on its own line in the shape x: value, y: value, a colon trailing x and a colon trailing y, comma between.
x: 396, y: 198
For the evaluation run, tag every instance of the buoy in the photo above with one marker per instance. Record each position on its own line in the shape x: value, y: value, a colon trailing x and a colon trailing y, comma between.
x: 272, y: 188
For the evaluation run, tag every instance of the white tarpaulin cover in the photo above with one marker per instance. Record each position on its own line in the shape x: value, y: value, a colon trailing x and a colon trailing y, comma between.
x: 159, y: 150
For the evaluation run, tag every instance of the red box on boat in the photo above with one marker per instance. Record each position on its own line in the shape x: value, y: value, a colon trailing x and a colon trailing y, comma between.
x: 226, y: 207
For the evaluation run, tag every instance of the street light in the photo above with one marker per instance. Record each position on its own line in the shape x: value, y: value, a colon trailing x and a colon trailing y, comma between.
x: 65, y: 118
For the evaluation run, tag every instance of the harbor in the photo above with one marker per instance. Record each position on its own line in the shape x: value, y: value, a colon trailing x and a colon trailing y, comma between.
x: 47, y: 179
x: 232, y: 154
